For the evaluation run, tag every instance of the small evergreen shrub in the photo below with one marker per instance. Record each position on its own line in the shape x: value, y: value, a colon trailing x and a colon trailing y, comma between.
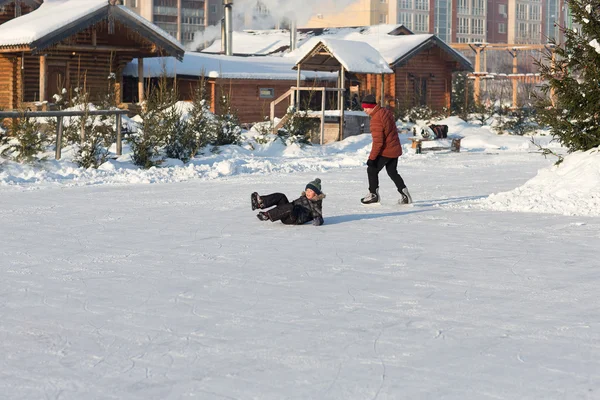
x: 227, y: 129
x: 24, y: 140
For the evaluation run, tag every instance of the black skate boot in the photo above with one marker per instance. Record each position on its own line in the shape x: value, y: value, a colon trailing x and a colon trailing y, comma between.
x: 406, y: 198
x: 263, y: 216
x: 256, y: 201
x: 371, y: 198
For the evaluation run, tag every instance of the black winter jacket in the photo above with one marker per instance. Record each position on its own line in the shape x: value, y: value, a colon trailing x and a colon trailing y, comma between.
x: 308, y: 210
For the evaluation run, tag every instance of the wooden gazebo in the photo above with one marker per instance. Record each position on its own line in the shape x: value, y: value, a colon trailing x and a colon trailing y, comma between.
x: 341, y: 56
x: 74, y: 43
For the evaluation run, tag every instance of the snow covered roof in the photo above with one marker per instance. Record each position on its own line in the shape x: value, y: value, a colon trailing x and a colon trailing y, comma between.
x: 221, y: 66
x: 356, y: 57
x: 395, y: 48
x: 272, y: 41
x: 56, y: 20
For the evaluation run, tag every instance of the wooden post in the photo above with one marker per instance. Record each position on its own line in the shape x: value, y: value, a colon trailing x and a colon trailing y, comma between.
x: 17, y: 8
x: 21, y: 78
x: 476, y: 90
x: 296, y: 101
x: 272, y: 118
x: 141, y: 97
x: 514, y: 79
x: 323, y: 116
x: 59, y: 133
x: 179, y: 35
x: 119, y: 86
x: 43, y: 73
x: 119, y: 138
x: 94, y: 38
x: 382, y: 90
x: 342, y: 95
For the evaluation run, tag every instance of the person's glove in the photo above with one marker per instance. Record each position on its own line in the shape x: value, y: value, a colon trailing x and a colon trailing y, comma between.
x: 371, y: 163
x: 318, y: 221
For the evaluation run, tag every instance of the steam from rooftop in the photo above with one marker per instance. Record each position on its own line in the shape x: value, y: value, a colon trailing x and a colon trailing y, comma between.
x: 247, y: 15
x: 278, y: 10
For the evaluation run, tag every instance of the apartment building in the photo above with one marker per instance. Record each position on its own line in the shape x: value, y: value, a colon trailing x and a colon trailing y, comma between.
x: 458, y: 21
x: 182, y: 19
x: 359, y: 13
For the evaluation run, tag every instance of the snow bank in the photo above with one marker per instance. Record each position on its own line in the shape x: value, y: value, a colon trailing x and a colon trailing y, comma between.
x: 571, y: 188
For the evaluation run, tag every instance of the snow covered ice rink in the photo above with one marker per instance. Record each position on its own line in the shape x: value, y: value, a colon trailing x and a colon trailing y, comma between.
x: 176, y: 290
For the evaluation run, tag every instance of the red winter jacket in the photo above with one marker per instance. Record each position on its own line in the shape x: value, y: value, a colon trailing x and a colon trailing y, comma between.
x: 385, y: 134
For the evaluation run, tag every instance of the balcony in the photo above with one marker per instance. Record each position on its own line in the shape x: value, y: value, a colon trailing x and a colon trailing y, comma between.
x: 165, y: 11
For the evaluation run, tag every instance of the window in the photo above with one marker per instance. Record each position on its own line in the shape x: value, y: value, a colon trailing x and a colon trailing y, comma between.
x: 405, y: 19
x: 382, y: 19
x: 501, y: 27
x: 406, y: 4
x: 521, y: 11
x: 535, y: 12
x: 422, y: 5
x: 213, y: 9
x: 266, y: 93
x: 521, y: 31
x: 477, y: 26
x: 421, y: 23
x: 502, y: 10
x: 383, y: 1
x: 463, y: 7
x: 133, y: 3
x: 478, y: 7
x: 463, y: 25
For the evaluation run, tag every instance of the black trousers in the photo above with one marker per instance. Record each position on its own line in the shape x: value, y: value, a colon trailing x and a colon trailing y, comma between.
x: 283, y: 210
x: 391, y: 167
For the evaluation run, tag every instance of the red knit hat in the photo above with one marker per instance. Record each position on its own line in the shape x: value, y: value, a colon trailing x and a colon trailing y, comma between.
x: 369, y: 101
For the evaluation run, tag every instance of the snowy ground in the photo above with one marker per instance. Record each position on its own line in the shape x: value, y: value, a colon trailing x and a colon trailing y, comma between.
x: 112, y: 289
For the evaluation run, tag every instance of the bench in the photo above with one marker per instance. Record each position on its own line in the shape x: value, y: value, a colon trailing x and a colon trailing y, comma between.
x: 451, y: 143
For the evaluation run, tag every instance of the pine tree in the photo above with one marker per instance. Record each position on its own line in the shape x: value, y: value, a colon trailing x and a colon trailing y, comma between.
x: 462, y: 102
x: 201, y: 121
x: 572, y: 105
x: 227, y: 129
x: 25, y: 140
x: 146, y: 144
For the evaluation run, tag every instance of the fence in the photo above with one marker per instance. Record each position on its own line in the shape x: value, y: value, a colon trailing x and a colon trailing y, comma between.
x: 59, y: 126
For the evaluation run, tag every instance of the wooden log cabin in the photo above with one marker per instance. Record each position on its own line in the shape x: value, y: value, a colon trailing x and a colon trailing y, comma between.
x: 423, y: 67
x: 74, y: 43
x: 251, y: 83
x: 10, y: 9
x: 423, y: 64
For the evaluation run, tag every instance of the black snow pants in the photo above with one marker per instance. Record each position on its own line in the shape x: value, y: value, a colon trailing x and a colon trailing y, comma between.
x: 391, y: 166
x: 283, y: 209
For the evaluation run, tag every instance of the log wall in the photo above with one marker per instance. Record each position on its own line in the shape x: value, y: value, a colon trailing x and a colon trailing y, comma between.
x: 74, y: 66
x: 8, y: 12
x: 402, y: 88
x: 432, y: 66
x: 9, y: 87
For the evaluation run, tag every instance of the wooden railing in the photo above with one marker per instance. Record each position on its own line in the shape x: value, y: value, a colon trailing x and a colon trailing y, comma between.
x: 59, y: 126
x: 274, y: 103
x: 293, y: 93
